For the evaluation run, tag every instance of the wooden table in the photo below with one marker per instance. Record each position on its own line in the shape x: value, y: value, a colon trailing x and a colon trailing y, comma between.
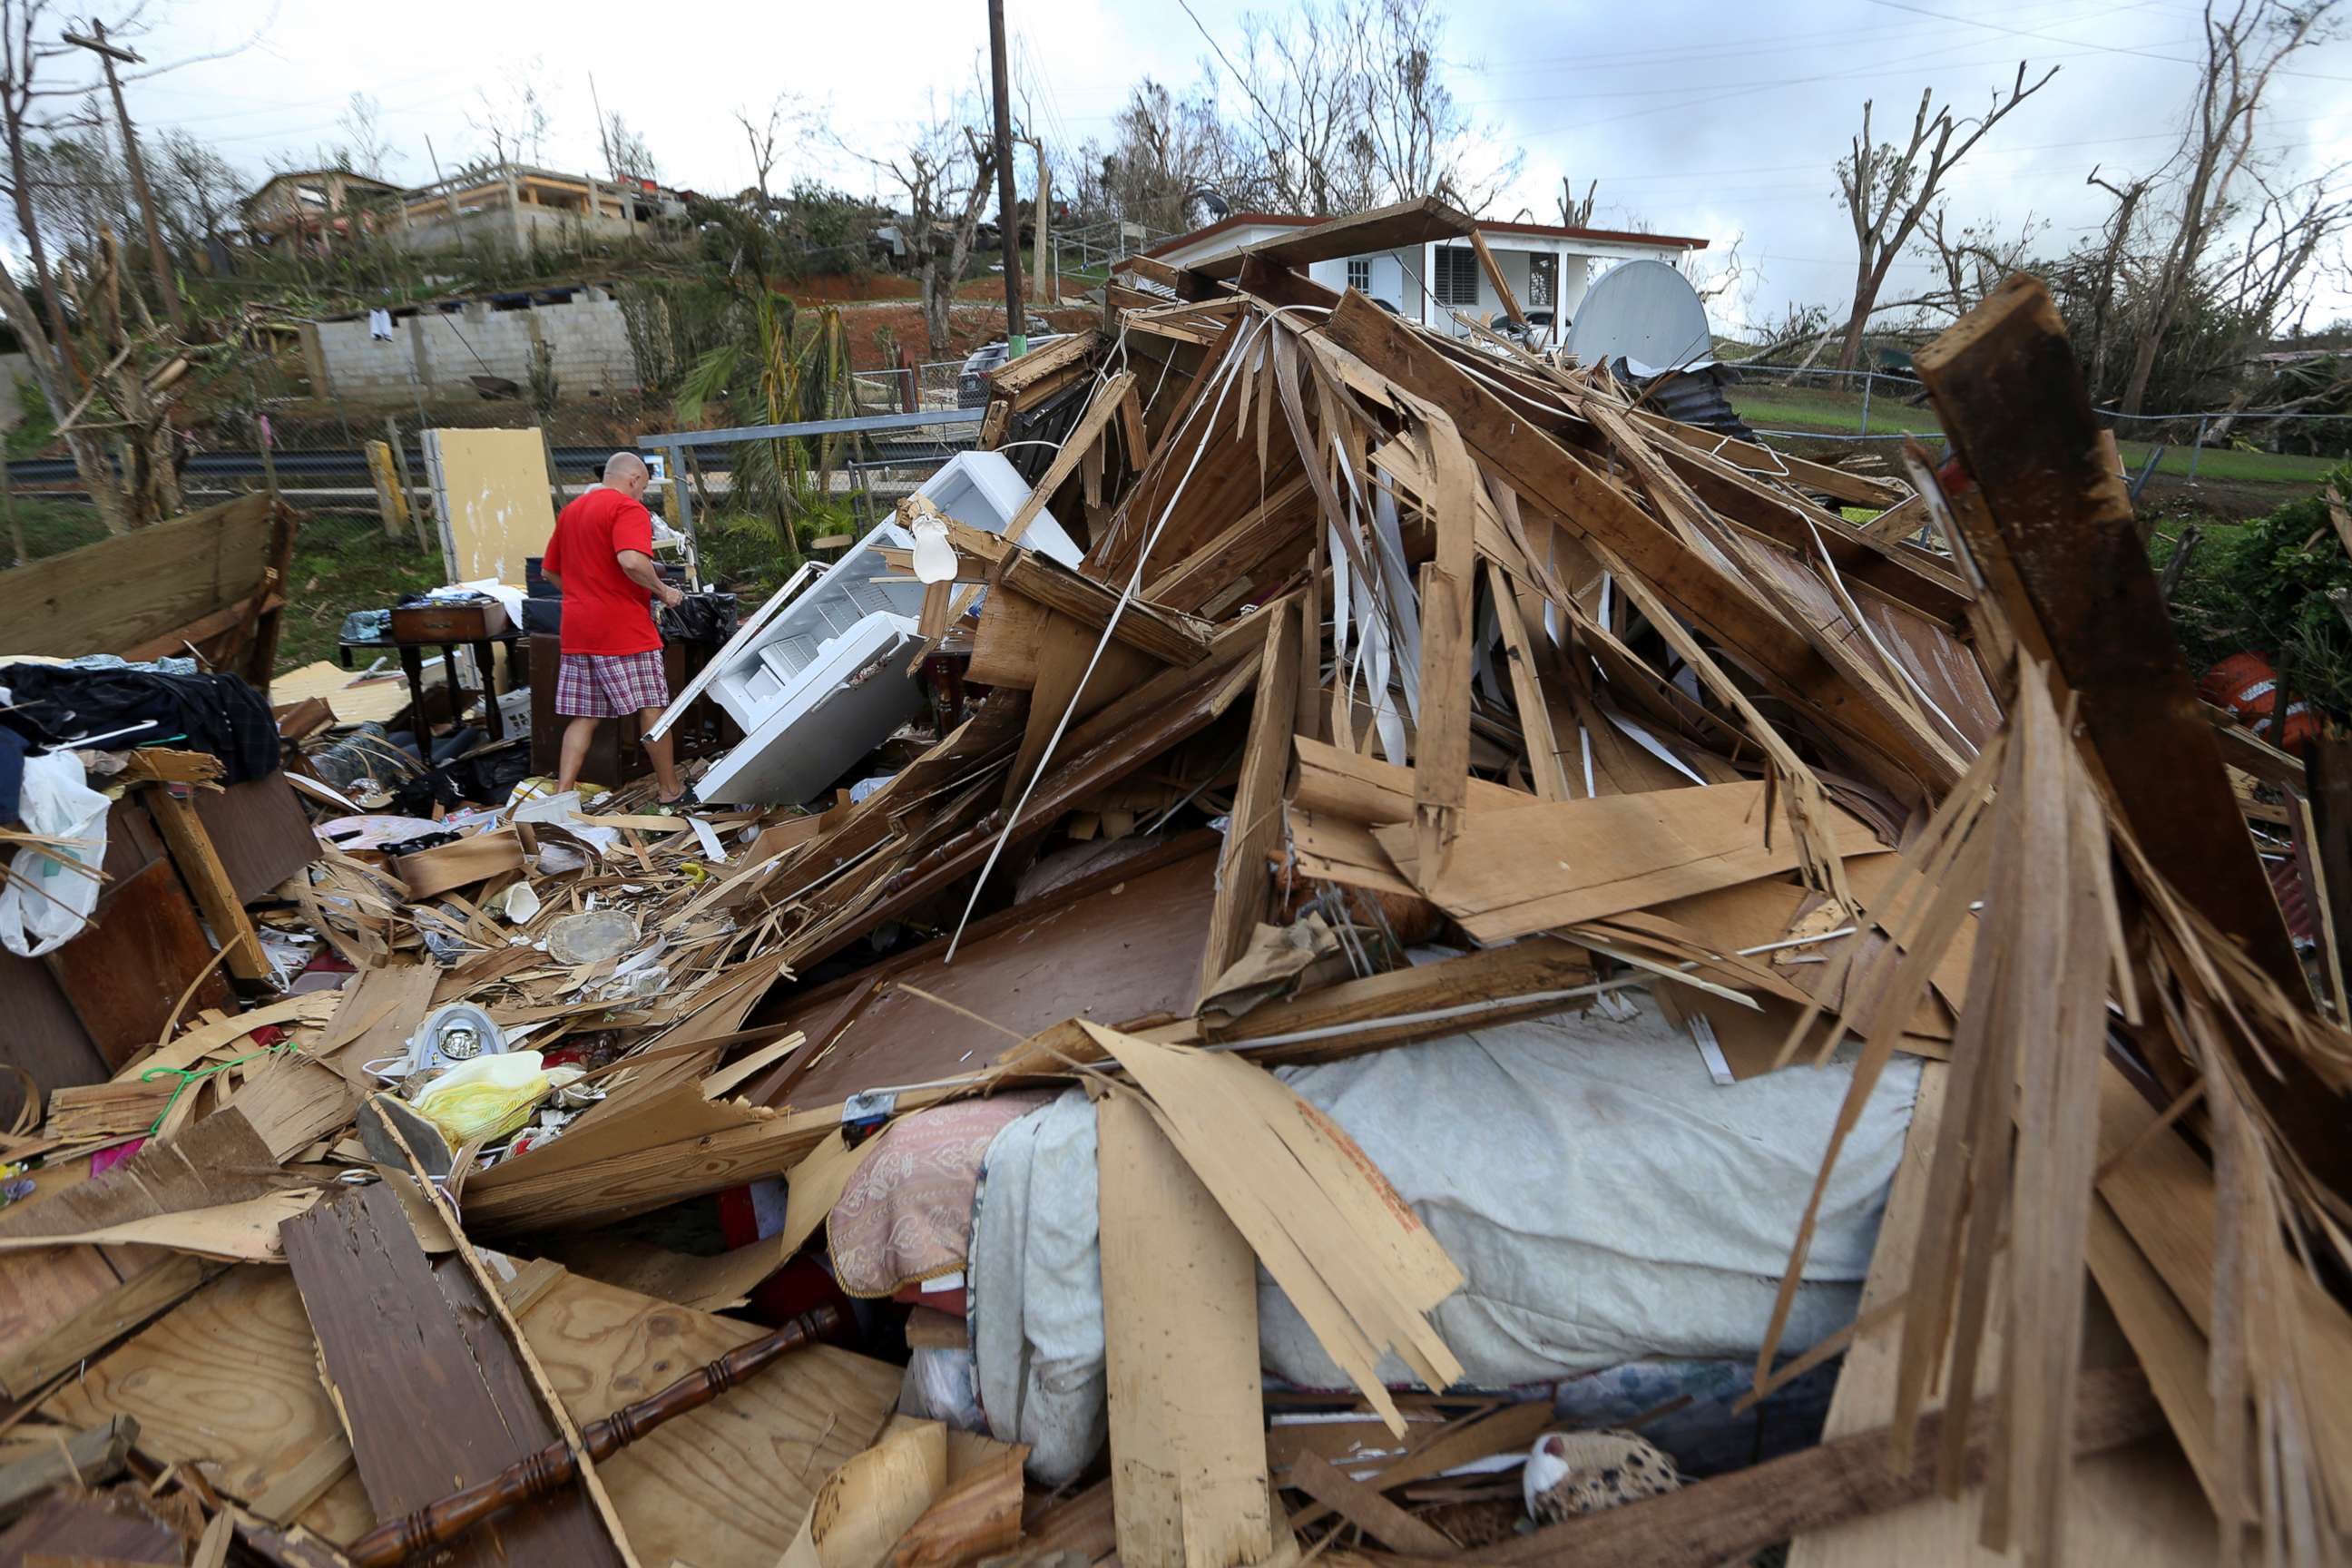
x: 412, y: 664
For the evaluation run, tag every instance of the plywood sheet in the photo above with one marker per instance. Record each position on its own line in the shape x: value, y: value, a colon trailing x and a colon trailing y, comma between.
x: 1565, y: 862
x: 41, y: 1290
x: 494, y: 508
x: 1180, y: 1330
x: 46, y: 1037
x: 260, y: 832
x: 230, y: 1378
x: 114, y: 594
x: 126, y: 973
x: 355, y: 697
x: 728, y: 1485
x: 1120, y: 955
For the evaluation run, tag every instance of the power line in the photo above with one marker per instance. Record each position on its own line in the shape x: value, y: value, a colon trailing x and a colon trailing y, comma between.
x: 1746, y: 47
x: 2103, y: 48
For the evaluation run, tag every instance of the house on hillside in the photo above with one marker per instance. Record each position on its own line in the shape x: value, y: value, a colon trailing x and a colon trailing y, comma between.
x: 312, y: 208
x: 516, y: 205
x: 1548, y: 266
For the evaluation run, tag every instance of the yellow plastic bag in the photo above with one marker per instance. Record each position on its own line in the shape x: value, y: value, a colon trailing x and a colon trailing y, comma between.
x: 490, y: 1097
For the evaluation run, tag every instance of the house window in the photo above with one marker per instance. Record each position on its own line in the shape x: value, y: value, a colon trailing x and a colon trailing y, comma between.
x: 1360, y: 274
x: 1543, y: 280
x: 1456, y: 282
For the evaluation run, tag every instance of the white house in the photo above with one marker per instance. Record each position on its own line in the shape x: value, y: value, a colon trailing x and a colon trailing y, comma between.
x: 1548, y: 266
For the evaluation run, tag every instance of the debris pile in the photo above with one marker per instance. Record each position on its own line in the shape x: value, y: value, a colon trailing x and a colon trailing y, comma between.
x: 1373, y: 1014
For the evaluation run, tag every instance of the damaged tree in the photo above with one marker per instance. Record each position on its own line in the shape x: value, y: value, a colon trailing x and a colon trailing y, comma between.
x: 1889, y: 191
x: 947, y: 189
x: 2243, y: 50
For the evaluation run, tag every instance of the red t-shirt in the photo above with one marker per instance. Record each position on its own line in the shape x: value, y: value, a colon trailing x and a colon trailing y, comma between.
x: 604, y: 612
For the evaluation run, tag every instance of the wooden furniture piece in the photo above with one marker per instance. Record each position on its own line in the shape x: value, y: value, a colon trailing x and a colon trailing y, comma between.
x: 618, y: 753
x: 412, y: 664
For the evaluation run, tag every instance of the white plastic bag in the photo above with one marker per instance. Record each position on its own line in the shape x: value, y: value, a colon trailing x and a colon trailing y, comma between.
x: 935, y: 558
x: 45, y: 903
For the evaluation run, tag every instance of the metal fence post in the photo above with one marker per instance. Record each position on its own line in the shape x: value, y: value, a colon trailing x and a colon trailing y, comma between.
x: 1866, y: 379
x: 2197, y: 445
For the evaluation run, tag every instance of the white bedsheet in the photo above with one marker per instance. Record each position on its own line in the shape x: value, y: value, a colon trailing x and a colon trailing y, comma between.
x: 1603, y: 1197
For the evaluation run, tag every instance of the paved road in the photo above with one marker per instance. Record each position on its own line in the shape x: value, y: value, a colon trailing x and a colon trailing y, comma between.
x: 47, y: 474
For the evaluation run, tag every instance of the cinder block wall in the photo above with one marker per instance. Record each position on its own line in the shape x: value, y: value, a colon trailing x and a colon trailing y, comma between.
x: 439, y: 350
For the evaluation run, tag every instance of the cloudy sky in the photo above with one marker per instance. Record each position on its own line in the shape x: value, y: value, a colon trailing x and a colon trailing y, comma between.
x: 1699, y: 117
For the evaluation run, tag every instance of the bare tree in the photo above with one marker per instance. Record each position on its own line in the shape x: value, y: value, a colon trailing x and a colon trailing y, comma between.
x: 1167, y: 149
x: 367, y: 151
x: 632, y: 159
x: 23, y: 52
x: 79, y: 187
x: 198, y: 188
x: 1973, y: 260
x: 2242, y: 50
x: 1575, y: 213
x: 2103, y: 276
x: 765, y: 139
x: 513, y: 120
x: 1344, y: 109
x: 136, y: 397
x: 1889, y: 191
x: 50, y: 375
x: 2292, y: 225
x: 945, y: 175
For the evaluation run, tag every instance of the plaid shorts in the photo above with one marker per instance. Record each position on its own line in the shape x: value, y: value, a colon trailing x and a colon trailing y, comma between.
x: 606, y: 686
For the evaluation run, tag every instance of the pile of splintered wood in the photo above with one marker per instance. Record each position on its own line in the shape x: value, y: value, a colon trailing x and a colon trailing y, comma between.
x: 1451, y: 643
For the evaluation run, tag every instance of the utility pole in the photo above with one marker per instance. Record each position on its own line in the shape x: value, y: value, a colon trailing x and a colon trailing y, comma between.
x: 108, y: 54
x: 1008, y: 228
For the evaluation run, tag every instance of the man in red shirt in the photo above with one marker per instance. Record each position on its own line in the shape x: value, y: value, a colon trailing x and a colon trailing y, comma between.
x: 601, y: 559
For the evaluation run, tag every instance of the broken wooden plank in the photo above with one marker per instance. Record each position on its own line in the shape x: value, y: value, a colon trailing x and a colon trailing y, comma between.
x: 1494, y: 271
x: 977, y: 1516
x: 151, y: 1291
x: 1507, y: 441
x: 217, y: 1162
x: 1352, y: 1257
x: 1543, y: 867
x: 2010, y: 396
x: 433, y: 1399
x: 1243, y: 883
x: 1402, y: 223
x: 1366, y: 1509
x: 1180, y: 1331
x: 87, y: 1458
x: 208, y: 881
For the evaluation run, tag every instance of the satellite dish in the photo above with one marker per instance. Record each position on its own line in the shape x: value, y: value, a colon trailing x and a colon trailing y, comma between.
x: 1644, y: 311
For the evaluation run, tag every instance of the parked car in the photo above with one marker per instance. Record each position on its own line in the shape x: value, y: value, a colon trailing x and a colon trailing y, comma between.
x: 972, y: 382
x: 1538, y: 332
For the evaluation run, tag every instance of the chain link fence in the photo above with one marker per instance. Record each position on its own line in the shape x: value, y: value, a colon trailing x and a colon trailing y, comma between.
x: 936, y: 384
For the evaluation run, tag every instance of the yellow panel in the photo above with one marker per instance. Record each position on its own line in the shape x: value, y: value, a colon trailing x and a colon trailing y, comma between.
x: 495, y: 485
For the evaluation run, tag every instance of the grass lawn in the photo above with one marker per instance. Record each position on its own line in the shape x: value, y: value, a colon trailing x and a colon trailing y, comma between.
x: 2222, y: 464
x: 1774, y: 407
x: 342, y: 564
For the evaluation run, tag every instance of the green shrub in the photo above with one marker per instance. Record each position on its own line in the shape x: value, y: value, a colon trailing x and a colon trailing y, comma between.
x: 2264, y: 588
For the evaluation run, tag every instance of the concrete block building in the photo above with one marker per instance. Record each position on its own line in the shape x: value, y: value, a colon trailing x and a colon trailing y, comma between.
x: 435, y: 349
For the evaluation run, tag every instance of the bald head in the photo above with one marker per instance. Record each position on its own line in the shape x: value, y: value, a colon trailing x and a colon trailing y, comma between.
x: 626, y: 472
